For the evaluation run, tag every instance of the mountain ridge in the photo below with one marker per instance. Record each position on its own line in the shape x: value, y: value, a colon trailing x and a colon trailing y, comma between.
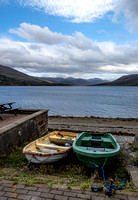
x: 12, y: 77
x: 9, y: 76
x: 126, y: 80
x: 74, y: 81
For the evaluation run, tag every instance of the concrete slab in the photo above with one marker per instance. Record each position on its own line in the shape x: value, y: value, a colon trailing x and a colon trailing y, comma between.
x: 10, y: 118
x: 133, y: 172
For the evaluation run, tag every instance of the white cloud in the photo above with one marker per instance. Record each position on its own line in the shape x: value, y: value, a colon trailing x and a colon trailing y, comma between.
x: 43, y: 35
x: 130, y: 10
x: 89, y: 10
x: 69, y: 55
x: 75, y: 10
x: 38, y: 34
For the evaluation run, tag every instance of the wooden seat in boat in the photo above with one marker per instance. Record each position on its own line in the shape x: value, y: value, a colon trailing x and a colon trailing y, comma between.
x: 48, y: 146
x: 64, y: 139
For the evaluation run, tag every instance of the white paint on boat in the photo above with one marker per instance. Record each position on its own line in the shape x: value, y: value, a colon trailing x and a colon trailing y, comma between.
x: 45, y: 159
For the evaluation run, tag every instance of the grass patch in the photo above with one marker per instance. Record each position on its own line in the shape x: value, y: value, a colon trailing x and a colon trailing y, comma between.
x: 133, y: 147
x: 15, y: 159
x: 86, y: 184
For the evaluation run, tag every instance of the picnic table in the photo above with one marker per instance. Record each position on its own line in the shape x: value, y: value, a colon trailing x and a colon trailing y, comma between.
x: 6, y: 107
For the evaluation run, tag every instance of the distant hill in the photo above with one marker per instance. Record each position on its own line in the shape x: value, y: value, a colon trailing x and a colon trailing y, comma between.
x: 128, y: 80
x: 67, y: 81
x: 74, y: 81
x: 97, y: 81
x: 9, y: 76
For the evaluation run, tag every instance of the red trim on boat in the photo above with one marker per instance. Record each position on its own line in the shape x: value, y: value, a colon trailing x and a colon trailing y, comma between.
x: 45, y: 154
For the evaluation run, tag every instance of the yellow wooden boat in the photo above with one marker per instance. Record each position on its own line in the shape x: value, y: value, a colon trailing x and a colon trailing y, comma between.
x: 50, y: 148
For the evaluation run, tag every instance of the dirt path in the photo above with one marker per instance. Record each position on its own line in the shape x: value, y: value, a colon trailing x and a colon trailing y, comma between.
x: 115, y: 126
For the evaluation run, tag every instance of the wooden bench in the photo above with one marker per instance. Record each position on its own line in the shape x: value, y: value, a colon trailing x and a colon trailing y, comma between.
x: 6, y: 107
x: 13, y: 110
x: 40, y: 145
x: 62, y: 140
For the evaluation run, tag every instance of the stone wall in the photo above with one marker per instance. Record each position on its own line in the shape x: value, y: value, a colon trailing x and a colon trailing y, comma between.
x: 29, y: 127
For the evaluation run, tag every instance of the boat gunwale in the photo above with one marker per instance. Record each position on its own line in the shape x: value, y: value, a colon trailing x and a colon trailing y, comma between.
x: 45, y: 154
x: 96, y: 153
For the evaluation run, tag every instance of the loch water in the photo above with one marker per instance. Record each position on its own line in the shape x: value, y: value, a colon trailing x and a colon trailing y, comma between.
x: 98, y: 101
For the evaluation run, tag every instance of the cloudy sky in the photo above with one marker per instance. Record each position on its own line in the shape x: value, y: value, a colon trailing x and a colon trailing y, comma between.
x: 63, y: 38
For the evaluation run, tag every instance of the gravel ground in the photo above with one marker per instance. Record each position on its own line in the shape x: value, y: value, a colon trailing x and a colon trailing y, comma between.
x: 125, y: 148
x: 94, y: 124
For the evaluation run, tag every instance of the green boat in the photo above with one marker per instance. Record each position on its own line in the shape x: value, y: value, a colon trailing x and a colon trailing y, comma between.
x: 96, y: 150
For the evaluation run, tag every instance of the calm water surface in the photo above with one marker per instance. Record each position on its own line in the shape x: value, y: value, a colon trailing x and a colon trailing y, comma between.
x: 76, y: 101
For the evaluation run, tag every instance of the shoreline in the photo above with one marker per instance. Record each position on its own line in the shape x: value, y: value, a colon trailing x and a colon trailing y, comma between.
x: 93, y: 117
x: 117, y: 126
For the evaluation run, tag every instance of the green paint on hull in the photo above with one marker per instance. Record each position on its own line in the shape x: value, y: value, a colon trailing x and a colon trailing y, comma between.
x: 96, y: 149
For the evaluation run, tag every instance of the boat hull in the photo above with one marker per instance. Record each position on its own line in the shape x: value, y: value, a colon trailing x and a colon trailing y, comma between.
x: 46, y: 159
x: 96, y: 151
x: 95, y: 162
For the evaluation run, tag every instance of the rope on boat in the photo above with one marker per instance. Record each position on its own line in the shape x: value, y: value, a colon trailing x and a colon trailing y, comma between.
x: 97, y: 166
x: 105, y: 160
x: 21, y: 169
